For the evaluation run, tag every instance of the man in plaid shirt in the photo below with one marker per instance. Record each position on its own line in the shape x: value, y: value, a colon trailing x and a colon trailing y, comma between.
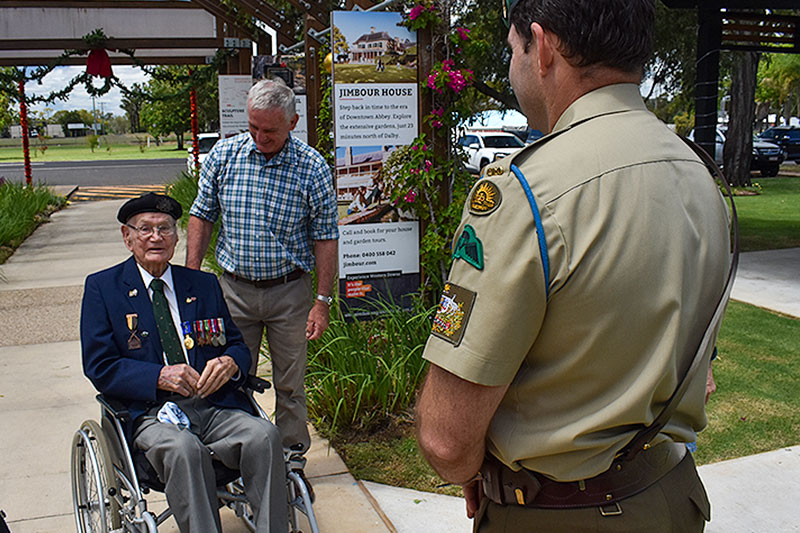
x: 276, y: 198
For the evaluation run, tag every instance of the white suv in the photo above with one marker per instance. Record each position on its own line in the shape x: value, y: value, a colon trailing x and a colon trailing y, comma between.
x: 205, y: 142
x: 484, y: 147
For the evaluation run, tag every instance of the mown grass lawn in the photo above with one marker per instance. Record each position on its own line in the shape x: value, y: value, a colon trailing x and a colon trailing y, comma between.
x: 63, y: 150
x: 355, y: 73
x: 770, y: 220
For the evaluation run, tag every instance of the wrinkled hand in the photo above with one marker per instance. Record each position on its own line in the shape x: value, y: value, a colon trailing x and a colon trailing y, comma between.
x: 178, y: 378
x: 216, y: 374
x: 473, y: 494
x: 318, y: 320
x: 711, y: 385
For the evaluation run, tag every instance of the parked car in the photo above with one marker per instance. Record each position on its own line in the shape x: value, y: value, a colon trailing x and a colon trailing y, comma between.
x: 483, y: 148
x: 787, y: 137
x: 767, y: 157
x: 525, y: 133
x: 205, y: 142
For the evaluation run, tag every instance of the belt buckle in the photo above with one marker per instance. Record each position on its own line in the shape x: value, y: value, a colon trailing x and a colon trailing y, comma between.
x: 616, y: 511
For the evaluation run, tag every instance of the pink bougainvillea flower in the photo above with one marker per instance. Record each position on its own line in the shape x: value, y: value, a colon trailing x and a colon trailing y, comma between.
x: 410, y: 196
x: 436, y: 124
x: 428, y: 165
x: 463, y: 33
x: 438, y: 112
x: 415, y: 12
x: 448, y: 64
x: 432, y: 79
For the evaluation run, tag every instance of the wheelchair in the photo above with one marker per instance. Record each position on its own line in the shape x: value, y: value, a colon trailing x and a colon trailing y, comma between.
x: 110, y: 480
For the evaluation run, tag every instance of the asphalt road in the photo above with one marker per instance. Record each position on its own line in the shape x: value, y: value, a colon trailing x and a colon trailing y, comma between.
x: 98, y: 173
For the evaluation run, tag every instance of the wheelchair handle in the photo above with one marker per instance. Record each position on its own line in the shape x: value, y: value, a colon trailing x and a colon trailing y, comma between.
x: 256, y: 384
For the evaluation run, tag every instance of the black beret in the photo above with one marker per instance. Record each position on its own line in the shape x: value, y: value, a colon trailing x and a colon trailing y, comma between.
x: 149, y: 203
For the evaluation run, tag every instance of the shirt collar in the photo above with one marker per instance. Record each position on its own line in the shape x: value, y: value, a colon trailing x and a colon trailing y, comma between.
x: 166, y: 277
x: 285, y: 156
x: 603, y: 101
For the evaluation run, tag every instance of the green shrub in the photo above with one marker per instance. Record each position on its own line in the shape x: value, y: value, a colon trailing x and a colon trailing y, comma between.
x: 363, y: 374
x: 184, y: 190
x: 22, y: 209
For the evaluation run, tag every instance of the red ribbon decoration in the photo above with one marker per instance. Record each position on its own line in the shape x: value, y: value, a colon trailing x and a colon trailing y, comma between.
x: 98, y: 63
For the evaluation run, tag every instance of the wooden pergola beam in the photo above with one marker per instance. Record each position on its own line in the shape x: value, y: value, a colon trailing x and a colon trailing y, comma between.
x: 271, y: 17
x: 110, y: 44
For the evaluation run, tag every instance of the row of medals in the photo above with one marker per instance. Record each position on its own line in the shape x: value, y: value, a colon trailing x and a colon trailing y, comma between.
x: 210, y: 331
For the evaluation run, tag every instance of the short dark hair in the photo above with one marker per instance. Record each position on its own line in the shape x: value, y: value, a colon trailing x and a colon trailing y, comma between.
x: 611, y: 33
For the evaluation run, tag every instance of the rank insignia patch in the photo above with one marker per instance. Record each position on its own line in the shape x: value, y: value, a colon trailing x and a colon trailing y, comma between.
x: 485, y: 198
x: 469, y: 248
x: 451, y: 318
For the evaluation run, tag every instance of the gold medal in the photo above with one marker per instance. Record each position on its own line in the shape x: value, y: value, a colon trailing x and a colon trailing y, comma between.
x: 188, y: 342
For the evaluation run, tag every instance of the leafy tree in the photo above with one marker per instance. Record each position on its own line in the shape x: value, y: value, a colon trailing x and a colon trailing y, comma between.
x: 340, y: 45
x: 739, y: 142
x: 168, y: 110
x: 779, y: 84
x: 132, y: 105
x: 8, y: 114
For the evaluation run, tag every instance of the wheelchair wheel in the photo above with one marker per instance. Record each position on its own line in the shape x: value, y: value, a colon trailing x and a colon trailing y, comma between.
x: 93, y: 483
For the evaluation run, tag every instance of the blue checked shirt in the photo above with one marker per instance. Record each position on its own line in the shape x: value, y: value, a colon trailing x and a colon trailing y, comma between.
x: 272, y: 211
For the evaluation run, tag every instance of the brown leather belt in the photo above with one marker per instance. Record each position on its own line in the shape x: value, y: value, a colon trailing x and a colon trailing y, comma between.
x: 623, y: 480
x: 266, y: 283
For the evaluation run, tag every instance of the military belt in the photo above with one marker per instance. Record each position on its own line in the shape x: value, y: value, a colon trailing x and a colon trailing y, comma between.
x: 624, y: 479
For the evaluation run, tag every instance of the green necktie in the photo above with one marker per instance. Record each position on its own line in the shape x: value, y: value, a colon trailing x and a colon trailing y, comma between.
x: 166, y: 328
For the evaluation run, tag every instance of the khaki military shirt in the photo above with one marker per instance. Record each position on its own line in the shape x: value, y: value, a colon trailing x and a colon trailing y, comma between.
x: 637, y: 246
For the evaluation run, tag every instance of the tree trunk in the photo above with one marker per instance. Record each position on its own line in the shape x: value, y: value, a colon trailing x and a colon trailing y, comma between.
x: 179, y: 136
x: 739, y: 144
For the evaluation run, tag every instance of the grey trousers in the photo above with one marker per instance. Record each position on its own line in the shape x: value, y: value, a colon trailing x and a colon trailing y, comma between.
x: 283, y: 311
x: 182, y: 458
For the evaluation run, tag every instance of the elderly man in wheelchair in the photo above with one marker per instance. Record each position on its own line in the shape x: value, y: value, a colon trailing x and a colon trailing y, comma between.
x: 159, y: 344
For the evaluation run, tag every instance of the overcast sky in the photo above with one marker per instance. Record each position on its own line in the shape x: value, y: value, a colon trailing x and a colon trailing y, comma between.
x: 79, y: 98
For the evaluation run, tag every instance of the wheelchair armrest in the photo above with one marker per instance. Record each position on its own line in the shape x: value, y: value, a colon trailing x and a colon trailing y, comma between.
x: 114, y: 407
x: 256, y: 384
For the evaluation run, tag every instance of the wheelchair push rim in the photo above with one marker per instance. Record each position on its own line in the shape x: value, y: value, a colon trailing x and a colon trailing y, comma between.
x: 93, y: 481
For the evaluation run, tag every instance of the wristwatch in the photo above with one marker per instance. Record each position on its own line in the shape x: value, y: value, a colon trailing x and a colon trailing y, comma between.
x: 327, y: 299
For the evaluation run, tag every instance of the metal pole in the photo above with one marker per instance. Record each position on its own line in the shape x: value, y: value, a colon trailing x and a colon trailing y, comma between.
x: 23, y: 120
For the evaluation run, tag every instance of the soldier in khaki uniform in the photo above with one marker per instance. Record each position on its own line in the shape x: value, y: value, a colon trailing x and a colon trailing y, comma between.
x: 585, y: 271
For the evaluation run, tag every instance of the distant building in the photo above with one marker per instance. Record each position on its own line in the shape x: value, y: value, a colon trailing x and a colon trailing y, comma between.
x: 54, y: 130
x: 372, y: 45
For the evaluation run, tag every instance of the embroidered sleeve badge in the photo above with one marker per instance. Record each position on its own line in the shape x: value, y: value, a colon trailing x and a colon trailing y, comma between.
x: 469, y: 248
x: 485, y: 198
x: 454, y: 310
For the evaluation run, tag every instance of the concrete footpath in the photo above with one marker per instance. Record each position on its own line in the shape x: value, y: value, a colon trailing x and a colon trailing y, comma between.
x: 44, y: 398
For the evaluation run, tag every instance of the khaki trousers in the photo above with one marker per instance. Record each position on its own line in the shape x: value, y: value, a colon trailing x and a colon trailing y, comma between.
x: 283, y: 311
x: 677, y: 503
x: 182, y: 458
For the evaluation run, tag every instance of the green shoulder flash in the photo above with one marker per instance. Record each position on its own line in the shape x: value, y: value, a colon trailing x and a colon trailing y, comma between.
x: 469, y: 248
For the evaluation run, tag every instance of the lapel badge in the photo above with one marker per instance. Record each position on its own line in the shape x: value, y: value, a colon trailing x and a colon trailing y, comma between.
x: 191, y: 299
x: 469, y: 248
x: 485, y: 198
x: 132, y: 293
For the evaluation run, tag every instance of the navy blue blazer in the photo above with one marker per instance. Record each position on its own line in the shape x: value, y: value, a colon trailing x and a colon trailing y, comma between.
x: 130, y: 373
